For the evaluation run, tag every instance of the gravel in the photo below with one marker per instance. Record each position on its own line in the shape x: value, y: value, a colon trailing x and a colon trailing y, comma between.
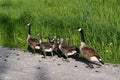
x: 16, y: 64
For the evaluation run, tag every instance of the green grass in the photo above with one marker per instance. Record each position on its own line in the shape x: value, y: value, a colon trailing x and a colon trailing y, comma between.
x: 100, y: 20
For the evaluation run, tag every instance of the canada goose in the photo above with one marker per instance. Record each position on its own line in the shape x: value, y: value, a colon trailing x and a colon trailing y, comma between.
x: 45, y: 46
x: 53, y: 42
x: 66, y: 50
x: 56, y: 46
x: 68, y: 40
x: 32, y: 42
x: 48, y: 38
x: 72, y: 46
x: 88, y: 53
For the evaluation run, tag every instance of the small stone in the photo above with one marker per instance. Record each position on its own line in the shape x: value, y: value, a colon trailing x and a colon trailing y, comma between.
x: 115, y: 65
x: 106, y: 66
x: 18, y: 54
x: 0, y: 56
x: 75, y: 66
x: 113, y: 69
x: 97, y: 71
x: 18, y: 58
x: 59, y: 64
x: 39, y: 60
x: 39, y: 68
x: 7, y: 56
x: 13, y: 49
x: 5, y: 59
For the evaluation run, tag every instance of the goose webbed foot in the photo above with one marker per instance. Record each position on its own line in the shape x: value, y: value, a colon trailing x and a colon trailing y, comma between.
x: 35, y: 54
x: 65, y: 60
x: 90, y: 66
x: 51, y: 55
x: 44, y: 56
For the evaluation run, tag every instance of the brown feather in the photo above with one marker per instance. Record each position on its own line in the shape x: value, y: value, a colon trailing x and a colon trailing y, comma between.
x: 89, y: 52
x: 46, y: 45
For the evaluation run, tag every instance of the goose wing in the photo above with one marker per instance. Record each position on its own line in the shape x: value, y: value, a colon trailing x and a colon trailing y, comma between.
x: 46, y: 45
x: 89, y: 52
x: 33, y: 41
x: 67, y: 50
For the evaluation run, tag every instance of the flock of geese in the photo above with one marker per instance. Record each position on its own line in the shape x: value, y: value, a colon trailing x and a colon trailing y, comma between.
x: 56, y: 45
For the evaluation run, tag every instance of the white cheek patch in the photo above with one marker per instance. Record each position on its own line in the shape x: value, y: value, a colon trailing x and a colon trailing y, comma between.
x: 37, y: 47
x: 79, y: 29
x: 100, y: 59
x: 94, y: 59
x: 28, y: 24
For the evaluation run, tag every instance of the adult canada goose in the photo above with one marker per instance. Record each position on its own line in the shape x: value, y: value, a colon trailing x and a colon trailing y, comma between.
x: 45, y: 46
x: 32, y: 42
x: 88, y: 53
x: 66, y: 50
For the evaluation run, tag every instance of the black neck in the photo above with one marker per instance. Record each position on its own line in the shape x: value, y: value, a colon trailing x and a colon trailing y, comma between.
x: 29, y: 32
x: 82, y: 36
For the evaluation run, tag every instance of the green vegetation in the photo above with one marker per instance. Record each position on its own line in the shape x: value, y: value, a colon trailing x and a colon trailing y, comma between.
x: 100, y: 20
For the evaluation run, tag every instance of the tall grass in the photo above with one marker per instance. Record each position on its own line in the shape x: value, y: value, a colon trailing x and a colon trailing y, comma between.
x: 100, y: 20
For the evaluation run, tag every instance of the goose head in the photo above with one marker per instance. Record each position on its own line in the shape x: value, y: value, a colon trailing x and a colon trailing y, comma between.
x: 67, y: 39
x: 61, y: 40
x: 54, y: 39
x: 28, y: 24
x: 40, y: 40
x: 58, y: 40
x: 38, y: 34
x: 79, y: 29
x: 48, y: 38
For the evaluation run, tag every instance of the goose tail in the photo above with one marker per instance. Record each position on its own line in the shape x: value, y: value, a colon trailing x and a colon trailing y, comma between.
x: 100, y: 60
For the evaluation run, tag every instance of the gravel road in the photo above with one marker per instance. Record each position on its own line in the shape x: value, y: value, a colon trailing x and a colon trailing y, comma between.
x: 16, y: 64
